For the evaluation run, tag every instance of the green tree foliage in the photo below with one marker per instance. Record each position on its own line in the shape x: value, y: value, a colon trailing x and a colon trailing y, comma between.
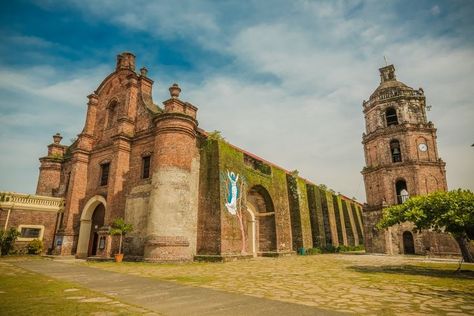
x: 119, y: 227
x: 7, y: 240
x: 451, y: 212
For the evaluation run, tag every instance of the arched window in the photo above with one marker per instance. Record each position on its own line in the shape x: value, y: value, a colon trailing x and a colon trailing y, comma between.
x: 112, y: 109
x: 391, y: 116
x: 402, y: 192
x: 395, y: 151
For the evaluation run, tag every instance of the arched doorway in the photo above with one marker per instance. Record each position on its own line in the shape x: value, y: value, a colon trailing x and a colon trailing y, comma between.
x: 408, y: 243
x: 97, y: 222
x: 259, y: 200
x: 92, y: 218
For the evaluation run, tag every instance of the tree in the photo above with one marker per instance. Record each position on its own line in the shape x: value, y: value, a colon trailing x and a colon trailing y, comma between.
x: 451, y: 212
x: 119, y: 227
x: 7, y: 240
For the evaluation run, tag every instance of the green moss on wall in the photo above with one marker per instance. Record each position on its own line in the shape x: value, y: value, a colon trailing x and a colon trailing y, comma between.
x: 316, y: 215
x: 358, y: 222
x: 304, y: 213
x: 209, y: 228
x: 327, y: 207
x: 296, y: 231
x: 338, y: 215
x: 274, y: 182
x: 347, y: 223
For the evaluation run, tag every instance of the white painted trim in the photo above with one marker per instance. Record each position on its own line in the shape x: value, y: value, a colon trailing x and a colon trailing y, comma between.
x: 86, y: 223
x: 40, y: 237
x: 90, y: 206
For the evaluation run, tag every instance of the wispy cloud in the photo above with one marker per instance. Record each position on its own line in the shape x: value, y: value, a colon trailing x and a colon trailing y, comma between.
x: 290, y: 77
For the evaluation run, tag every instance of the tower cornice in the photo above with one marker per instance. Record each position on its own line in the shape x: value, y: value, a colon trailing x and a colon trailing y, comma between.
x: 392, y: 95
x: 404, y: 164
x: 396, y: 129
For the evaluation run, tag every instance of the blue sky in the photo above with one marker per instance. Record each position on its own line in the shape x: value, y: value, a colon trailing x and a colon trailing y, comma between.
x: 282, y: 79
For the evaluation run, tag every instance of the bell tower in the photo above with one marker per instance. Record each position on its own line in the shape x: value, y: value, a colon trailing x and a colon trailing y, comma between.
x: 401, y: 157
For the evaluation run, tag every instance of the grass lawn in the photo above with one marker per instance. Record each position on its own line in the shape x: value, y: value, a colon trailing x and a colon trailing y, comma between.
x: 26, y: 293
x: 361, y: 284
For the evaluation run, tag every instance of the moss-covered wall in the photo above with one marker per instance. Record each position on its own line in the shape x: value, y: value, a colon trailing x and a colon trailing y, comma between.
x: 327, y: 209
x: 348, y: 224
x: 305, y: 215
x: 232, y: 159
x: 339, y: 220
x: 356, y: 211
x: 316, y: 215
x: 295, y: 216
x: 209, y: 214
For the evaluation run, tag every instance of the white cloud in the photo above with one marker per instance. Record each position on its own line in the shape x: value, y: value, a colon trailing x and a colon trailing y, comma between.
x: 321, y: 59
x: 435, y: 10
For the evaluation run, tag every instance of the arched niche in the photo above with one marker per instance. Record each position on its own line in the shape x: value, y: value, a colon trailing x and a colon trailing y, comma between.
x: 260, y: 201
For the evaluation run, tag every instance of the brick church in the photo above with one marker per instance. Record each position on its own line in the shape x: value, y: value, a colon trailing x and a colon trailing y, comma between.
x: 402, y: 160
x: 188, y: 193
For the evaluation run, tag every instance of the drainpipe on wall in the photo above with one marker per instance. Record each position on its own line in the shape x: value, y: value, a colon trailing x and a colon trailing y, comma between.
x: 55, y: 231
x: 8, y: 217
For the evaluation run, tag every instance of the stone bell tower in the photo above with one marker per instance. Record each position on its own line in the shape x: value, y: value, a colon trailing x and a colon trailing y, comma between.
x: 401, y: 159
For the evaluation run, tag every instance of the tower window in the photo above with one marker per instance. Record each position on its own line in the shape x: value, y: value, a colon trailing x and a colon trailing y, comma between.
x: 391, y: 117
x: 104, y: 173
x: 146, y: 167
x: 402, y: 192
x: 395, y: 151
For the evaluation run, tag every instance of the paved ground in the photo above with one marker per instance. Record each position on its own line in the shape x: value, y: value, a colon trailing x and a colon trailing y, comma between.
x: 357, y: 284
x: 164, y: 297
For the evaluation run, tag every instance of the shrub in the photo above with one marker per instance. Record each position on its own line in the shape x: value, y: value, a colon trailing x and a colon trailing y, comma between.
x: 313, y: 251
x: 34, y: 247
x: 7, y: 240
x: 332, y: 249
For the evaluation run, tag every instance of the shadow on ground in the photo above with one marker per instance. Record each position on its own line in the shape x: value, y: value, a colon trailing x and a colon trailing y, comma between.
x: 416, y: 270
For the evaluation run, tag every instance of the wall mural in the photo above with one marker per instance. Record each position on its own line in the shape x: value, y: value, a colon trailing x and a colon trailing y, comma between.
x: 235, y: 200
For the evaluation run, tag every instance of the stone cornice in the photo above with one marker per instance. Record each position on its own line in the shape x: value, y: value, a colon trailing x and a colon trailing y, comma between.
x: 30, y: 202
x: 175, y: 115
x: 401, y: 128
x: 396, y: 165
x: 391, y: 94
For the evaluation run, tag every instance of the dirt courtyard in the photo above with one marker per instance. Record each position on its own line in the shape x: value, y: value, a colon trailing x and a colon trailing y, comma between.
x: 362, y: 284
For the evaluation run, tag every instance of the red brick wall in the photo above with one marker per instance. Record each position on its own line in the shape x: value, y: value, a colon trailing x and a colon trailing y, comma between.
x: 47, y: 219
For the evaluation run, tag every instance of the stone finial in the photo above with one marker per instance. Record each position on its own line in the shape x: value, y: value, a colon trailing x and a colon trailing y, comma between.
x: 143, y: 71
x: 387, y: 73
x: 174, y: 91
x: 57, y: 138
x: 125, y: 60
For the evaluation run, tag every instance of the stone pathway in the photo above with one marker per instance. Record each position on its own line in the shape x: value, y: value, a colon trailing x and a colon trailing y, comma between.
x: 357, y: 284
x: 164, y: 297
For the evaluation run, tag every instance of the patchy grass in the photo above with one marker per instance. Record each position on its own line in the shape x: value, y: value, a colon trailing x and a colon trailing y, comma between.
x: 26, y: 293
x: 361, y: 284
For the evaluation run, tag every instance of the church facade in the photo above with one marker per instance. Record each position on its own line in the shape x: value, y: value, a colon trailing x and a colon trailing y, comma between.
x: 188, y: 193
x: 402, y: 160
